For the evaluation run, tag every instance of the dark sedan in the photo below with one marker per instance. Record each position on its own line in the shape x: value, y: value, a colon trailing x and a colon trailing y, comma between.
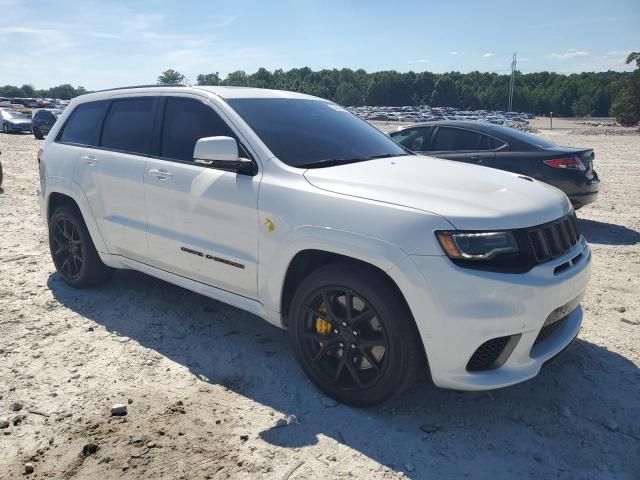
x: 569, y: 169
x: 42, y: 121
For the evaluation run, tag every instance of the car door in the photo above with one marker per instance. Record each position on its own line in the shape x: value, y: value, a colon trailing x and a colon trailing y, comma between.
x: 513, y: 158
x: 111, y: 173
x: 462, y: 145
x: 202, y: 222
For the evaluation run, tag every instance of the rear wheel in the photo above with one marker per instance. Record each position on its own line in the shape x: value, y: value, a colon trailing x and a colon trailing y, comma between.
x: 72, y: 249
x: 353, y: 335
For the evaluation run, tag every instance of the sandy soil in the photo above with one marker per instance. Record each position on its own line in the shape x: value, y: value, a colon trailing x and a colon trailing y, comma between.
x: 213, y: 392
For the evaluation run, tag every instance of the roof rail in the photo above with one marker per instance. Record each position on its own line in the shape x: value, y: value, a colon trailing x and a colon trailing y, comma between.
x: 156, y: 85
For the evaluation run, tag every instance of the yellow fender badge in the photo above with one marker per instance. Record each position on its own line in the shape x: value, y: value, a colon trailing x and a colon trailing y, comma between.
x: 270, y: 226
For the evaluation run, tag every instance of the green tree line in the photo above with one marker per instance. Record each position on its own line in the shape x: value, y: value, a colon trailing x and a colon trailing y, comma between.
x: 63, y: 92
x: 584, y: 94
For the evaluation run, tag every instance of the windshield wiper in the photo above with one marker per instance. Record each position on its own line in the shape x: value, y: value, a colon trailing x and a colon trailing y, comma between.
x: 384, y: 155
x: 329, y: 162
x: 332, y: 162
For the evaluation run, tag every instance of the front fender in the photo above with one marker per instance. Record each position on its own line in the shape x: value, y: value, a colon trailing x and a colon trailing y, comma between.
x: 273, y: 270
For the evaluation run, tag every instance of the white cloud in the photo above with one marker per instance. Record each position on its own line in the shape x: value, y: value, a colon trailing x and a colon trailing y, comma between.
x: 570, y: 53
x: 220, y: 21
x: 453, y: 53
x: 488, y: 55
x: 422, y: 60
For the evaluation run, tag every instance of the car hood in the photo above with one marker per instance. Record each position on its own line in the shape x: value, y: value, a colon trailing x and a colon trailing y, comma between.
x: 19, y: 121
x: 469, y: 196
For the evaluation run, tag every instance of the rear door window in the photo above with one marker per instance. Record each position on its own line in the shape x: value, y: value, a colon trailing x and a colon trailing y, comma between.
x: 455, y: 139
x: 129, y: 125
x: 498, y: 143
x: 83, y: 126
x: 485, y: 143
x: 187, y: 120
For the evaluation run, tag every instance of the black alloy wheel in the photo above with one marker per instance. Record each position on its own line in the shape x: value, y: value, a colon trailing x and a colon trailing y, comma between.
x: 67, y: 250
x: 345, y: 339
x: 73, y: 251
x: 353, y: 334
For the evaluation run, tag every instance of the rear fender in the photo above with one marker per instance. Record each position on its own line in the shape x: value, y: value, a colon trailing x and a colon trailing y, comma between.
x: 73, y: 190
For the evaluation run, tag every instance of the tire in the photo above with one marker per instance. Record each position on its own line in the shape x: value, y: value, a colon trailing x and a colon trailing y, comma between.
x: 379, y: 340
x: 5, y: 129
x: 72, y: 250
x: 37, y: 133
x: 0, y: 174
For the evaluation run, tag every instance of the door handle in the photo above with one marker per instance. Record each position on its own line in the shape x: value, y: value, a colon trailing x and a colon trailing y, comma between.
x: 476, y: 158
x: 160, y: 174
x: 89, y: 159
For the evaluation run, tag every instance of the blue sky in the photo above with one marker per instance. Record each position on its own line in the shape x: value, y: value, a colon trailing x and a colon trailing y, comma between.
x: 112, y: 43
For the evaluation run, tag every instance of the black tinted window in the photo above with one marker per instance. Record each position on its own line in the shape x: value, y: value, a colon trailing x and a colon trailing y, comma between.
x: 485, y: 143
x: 302, y: 131
x: 452, y: 139
x: 498, y: 143
x: 83, y: 126
x: 47, y: 117
x: 129, y: 125
x: 185, y: 121
x: 402, y: 135
x: 528, y: 138
x: 416, y: 139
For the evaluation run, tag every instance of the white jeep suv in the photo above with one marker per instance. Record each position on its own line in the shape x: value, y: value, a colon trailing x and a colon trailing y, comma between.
x: 382, y: 264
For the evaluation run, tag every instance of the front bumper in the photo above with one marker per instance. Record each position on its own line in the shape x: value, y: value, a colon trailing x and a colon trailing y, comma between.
x: 457, y: 310
x: 18, y: 127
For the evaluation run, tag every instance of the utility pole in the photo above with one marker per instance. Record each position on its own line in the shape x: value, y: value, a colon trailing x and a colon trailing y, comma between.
x: 512, y: 82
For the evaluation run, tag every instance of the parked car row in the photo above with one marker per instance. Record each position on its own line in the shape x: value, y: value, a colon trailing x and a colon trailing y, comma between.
x: 14, y: 121
x: 34, y: 102
x: 424, y: 113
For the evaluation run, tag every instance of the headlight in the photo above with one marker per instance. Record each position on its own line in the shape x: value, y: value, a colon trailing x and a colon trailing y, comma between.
x: 476, y: 245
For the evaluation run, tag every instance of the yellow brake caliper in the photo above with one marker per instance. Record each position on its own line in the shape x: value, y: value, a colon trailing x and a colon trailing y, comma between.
x: 322, y: 326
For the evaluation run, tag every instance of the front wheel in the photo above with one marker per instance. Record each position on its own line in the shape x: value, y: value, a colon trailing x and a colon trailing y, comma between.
x: 353, y: 334
x: 72, y: 249
x: 5, y: 128
x: 37, y: 133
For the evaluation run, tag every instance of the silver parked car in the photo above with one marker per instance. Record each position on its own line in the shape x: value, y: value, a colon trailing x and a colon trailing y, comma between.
x: 14, y: 121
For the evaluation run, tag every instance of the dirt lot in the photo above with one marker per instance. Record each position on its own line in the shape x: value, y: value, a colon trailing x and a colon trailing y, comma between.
x: 213, y: 392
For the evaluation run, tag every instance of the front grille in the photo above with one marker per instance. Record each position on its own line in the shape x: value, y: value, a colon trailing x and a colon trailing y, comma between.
x: 554, y: 239
x: 492, y: 353
x: 547, y: 330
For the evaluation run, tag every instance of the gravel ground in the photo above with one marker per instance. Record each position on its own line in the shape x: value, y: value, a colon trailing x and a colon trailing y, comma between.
x: 213, y: 392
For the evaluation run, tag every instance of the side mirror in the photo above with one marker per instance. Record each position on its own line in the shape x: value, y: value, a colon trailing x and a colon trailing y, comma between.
x: 222, y: 153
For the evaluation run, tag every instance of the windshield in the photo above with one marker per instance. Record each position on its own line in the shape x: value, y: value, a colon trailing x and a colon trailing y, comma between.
x: 300, y: 132
x: 15, y: 115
